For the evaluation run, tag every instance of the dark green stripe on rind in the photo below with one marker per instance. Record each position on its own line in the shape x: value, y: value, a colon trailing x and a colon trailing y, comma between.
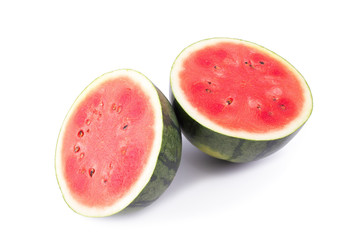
x: 222, y: 146
x: 168, y: 160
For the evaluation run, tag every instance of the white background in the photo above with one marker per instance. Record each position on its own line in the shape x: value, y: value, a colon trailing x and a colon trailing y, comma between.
x: 51, y: 50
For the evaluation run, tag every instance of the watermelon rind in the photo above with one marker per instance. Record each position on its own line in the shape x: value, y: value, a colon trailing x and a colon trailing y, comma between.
x: 222, y: 143
x: 168, y: 159
x: 163, y: 162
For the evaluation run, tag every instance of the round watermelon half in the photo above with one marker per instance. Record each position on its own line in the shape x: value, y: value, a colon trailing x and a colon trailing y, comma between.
x: 236, y: 100
x: 119, y: 145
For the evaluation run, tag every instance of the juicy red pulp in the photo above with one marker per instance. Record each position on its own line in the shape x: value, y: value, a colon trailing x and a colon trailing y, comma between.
x: 241, y: 88
x: 107, y: 142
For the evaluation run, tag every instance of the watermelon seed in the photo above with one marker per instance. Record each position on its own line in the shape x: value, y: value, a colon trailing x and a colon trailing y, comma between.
x: 282, y: 106
x: 88, y: 121
x: 104, y: 180
x: 258, y: 106
x: 229, y: 101
x: 91, y: 171
x: 250, y: 65
x: 81, y: 133
x: 261, y: 62
x: 82, y: 155
x: 119, y: 109
x: 216, y: 67
x: 125, y: 126
x: 76, y: 149
x: 275, y: 99
x: 113, y: 107
x: 209, y: 82
x: 208, y: 90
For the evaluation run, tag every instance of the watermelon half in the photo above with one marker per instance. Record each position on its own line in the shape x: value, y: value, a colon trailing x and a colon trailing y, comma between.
x: 236, y: 100
x: 119, y: 145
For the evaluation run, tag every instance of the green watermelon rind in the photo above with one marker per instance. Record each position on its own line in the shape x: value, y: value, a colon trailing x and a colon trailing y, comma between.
x: 224, y: 146
x: 221, y: 146
x: 168, y: 160
x: 167, y: 163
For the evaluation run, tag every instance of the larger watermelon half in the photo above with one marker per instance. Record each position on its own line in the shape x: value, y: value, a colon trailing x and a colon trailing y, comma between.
x: 236, y: 100
x: 119, y: 146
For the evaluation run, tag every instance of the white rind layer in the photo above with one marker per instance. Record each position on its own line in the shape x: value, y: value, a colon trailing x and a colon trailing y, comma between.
x: 181, y: 98
x: 148, y: 89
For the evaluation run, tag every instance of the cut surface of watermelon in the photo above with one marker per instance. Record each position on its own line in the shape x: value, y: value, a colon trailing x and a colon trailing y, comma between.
x: 110, y: 142
x: 236, y: 100
x: 240, y: 89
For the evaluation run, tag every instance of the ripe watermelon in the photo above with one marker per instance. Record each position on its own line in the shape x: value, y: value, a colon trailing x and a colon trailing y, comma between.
x: 236, y: 100
x: 119, y: 146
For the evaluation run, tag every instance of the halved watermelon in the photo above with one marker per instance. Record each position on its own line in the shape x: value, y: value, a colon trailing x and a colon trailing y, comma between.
x: 119, y: 146
x: 236, y: 100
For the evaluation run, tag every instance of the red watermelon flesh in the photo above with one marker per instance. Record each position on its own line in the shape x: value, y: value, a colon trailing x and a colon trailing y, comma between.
x: 241, y: 88
x: 107, y: 142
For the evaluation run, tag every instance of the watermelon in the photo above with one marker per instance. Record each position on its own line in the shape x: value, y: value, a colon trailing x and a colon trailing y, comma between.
x: 236, y: 100
x: 119, y: 145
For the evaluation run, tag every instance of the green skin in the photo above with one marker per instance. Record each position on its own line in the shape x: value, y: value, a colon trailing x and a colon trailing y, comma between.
x: 168, y: 160
x: 225, y: 147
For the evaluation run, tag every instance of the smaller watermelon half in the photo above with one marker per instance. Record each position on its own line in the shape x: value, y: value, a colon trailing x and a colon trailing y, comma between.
x: 119, y: 145
x: 236, y: 100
